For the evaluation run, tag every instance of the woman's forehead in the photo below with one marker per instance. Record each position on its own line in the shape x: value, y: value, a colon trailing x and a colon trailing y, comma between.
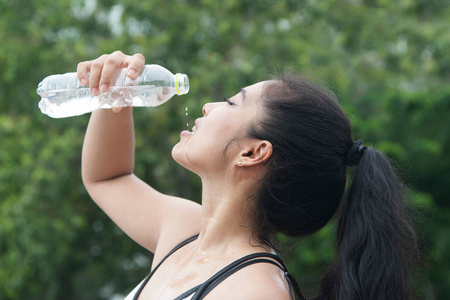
x: 256, y: 87
x: 252, y: 92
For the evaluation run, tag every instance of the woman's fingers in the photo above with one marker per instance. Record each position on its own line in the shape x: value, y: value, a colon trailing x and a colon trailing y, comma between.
x: 102, y: 71
x: 95, y: 74
x: 83, y: 69
x: 113, y: 62
x: 117, y: 109
x: 136, y: 62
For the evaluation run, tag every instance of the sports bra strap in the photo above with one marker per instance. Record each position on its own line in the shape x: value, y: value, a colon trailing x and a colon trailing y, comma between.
x: 183, y: 243
x: 203, y: 289
x: 188, y: 293
x: 235, y: 266
x: 180, y: 245
x: 212, y: 283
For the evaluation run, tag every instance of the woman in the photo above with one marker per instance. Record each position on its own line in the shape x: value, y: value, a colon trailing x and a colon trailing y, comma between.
x: 271, y: 159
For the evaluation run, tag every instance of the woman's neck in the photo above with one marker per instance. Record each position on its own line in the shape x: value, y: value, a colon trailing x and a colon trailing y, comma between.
x: 228, y: 217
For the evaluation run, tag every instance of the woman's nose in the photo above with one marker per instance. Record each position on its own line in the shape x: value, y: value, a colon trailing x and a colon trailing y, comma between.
x: 207, y: 108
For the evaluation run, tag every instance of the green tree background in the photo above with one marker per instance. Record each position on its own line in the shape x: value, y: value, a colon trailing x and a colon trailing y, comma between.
x: 388, y: 61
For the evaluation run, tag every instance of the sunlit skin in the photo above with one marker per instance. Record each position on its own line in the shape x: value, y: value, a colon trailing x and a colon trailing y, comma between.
x: 226, y: 218
x: 225, y: 183
x: 159, y: 222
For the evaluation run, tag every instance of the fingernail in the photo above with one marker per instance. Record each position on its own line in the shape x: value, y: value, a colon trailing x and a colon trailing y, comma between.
x: 103, y: 87
x: 94, y: 91
x: 131, y: 72
x: 83, y: 81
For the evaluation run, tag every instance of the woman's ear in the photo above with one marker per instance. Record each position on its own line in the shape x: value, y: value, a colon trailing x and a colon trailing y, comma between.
x: 256, y: 153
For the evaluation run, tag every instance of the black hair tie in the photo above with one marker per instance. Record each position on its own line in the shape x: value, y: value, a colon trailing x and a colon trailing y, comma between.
x: 355, y: 153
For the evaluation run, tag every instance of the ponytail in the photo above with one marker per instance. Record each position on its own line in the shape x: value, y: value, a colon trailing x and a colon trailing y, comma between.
x: 304, y: 184
x: 375, y: 240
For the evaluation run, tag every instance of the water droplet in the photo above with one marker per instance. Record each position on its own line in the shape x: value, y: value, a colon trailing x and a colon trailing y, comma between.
x: 187, y: 121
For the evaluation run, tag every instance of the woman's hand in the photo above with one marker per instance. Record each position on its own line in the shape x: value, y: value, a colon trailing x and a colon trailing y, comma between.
x: 103, y: 69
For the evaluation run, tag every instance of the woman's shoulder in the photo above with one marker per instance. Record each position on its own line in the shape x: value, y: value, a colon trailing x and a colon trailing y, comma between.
x: 257, y: 281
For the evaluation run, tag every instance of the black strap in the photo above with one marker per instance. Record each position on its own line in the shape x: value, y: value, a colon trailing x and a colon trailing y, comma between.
x: 183, y: 243
x: 210, y: 285
x: 235, y: 266
x: 203, y: 289
x: 187, y: 293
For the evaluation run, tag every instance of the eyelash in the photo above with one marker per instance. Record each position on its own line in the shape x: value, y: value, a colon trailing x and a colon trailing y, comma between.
x: 228, y: 101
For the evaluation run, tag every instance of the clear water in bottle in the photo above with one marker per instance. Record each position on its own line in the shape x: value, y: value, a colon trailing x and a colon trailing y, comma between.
x: 64, y: 96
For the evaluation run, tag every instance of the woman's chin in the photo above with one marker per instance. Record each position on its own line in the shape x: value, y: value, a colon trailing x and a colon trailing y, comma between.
x: 176, y: 153
x: 180, y: 156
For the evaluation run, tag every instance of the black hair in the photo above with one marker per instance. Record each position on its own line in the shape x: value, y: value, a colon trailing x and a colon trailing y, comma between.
x: 305, y: 183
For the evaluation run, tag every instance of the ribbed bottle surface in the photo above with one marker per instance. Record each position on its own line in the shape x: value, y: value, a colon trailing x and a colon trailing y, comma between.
x: 63, y: 96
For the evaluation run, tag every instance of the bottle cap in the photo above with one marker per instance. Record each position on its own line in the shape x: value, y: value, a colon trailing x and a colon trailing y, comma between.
x: 181, y: 83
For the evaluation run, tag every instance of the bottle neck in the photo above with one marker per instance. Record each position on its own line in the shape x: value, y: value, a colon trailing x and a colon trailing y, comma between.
x: 181, y: 83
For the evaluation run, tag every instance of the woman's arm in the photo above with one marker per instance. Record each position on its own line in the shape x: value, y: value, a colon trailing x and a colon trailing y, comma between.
x: 107, y: 168
x: 108, y: 149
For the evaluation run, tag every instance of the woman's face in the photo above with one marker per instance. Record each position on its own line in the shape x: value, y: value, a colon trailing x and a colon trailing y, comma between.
x: 203, y: 150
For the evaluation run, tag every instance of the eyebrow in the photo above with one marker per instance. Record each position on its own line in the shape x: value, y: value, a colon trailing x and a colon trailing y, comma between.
x: 243, y: 93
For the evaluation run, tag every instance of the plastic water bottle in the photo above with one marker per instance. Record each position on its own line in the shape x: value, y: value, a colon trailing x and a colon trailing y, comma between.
x: 63, y: 95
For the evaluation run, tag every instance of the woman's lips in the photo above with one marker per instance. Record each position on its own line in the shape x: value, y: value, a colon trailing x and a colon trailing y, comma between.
x: 194, y: 129
x: 185, y: 133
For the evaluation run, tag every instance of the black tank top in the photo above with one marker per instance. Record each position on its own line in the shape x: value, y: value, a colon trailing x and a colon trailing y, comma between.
x: 201, y: 290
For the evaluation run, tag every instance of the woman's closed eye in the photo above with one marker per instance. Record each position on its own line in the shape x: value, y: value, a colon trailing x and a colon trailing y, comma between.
x: 228, y: 101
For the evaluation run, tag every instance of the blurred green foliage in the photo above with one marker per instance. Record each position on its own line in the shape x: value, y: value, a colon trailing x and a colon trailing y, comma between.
x: 388, y: 61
